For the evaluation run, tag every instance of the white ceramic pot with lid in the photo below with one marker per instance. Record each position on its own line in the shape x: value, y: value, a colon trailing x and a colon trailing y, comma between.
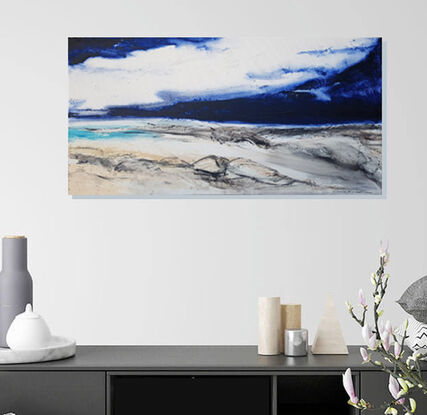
x: 28, y: 331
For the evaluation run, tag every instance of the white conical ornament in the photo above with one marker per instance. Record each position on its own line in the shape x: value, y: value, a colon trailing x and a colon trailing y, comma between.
x: 329, y: 337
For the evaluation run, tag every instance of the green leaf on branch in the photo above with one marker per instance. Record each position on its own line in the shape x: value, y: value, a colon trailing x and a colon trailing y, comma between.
x: 403, y: 384
x: 413, y: 404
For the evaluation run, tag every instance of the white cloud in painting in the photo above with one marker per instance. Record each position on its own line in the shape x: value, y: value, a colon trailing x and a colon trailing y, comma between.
x: 226, y: 68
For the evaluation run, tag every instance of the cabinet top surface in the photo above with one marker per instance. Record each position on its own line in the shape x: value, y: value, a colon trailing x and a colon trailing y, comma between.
x: 192, y: 358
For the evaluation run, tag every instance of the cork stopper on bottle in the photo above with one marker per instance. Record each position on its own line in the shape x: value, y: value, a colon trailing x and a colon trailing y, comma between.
x: 14, y: 237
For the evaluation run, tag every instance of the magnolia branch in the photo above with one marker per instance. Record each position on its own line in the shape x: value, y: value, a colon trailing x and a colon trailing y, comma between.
x: 405, y: 375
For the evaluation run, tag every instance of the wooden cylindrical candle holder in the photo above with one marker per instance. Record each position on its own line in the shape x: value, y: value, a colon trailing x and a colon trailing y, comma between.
x: 269, y: 325
x: 290, y: 319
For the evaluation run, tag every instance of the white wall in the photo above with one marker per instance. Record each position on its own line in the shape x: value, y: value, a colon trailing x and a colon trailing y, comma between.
x: 189, y: 271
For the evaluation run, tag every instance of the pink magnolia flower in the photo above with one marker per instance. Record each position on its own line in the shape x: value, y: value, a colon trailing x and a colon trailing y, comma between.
x: 364, y: 354
x: 362, y: 298
x: 388, y: 326
x: 366, y: 333
x: 394, y: 388
x: 372, y: 342
x: 397, y: 349
x: 385, y: 337
x: 347, y: 381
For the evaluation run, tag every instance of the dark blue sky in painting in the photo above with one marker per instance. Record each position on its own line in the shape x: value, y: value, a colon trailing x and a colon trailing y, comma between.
x: 340, y: 85
x: 82, y: 48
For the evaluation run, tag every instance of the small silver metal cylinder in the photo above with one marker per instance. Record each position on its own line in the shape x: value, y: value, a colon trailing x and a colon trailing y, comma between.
x: 296, y: 342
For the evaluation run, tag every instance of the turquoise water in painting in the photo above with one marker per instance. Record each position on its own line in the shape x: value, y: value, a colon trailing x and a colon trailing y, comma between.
x: 88, y: 134
x: 101, y: 130
x: 131, y: 129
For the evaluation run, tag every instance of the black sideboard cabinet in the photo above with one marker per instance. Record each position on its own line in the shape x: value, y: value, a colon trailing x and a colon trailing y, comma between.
x: 202, y: 380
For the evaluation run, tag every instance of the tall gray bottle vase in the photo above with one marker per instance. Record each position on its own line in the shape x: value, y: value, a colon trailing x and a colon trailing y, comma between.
x: 16, y: 284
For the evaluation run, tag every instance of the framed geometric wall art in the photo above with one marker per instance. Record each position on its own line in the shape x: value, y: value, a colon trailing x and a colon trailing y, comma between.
x: 225, y: 116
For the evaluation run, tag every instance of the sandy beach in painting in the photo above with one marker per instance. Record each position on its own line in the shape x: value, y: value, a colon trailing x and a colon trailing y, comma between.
x: 186, y: 157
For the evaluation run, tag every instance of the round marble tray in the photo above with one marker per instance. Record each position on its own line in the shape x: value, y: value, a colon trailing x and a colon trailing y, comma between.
x: 59, y: 348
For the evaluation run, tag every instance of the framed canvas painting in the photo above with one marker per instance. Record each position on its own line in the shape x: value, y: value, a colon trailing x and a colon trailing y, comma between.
x: 225, y: 116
